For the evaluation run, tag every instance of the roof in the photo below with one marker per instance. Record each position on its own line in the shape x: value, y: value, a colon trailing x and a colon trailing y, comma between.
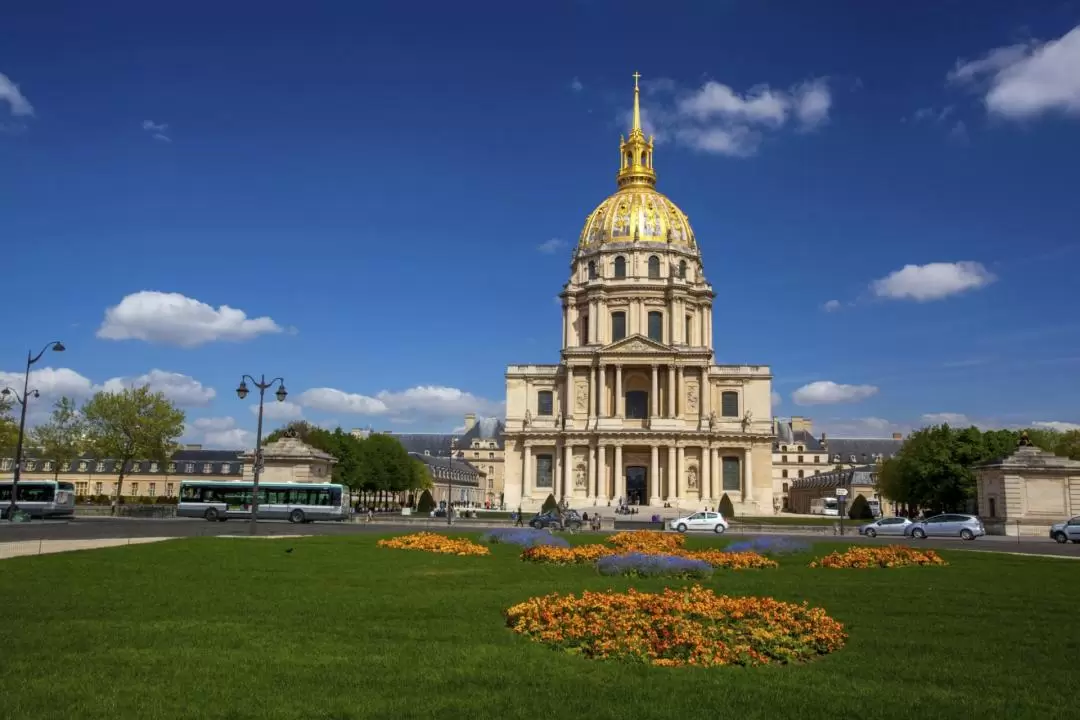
x: 484, y: 429
x: 864, y: 450
x: 1033, y: 458
x: 862, y: 475
x: 204, y: 462
x: 291, y: 448
x: 464, y: 473
x: 786, y: 436
x: 425, y: 443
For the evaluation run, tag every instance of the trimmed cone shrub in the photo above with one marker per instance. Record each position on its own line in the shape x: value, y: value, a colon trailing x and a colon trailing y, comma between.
x: 726, y: 508
x: 550, y: 504
x: 426, y: 503
x: 860, y: 509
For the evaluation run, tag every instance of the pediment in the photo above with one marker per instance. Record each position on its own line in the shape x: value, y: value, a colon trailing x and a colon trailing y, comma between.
x: 636, y: 344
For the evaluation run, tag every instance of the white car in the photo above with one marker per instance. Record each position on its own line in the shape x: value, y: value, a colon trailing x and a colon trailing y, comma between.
x: 712, y: 521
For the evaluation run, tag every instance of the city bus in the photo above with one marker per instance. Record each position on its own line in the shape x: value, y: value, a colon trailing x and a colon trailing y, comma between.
x: 40, y: 498
x: 296, y: 502
x: 824, y: 506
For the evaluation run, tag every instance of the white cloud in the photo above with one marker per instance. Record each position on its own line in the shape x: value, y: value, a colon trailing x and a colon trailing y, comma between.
x: 827, y: 392
x: 17, y: 102
x: 942, y: 418
x: 274, y: 410
x: 1058, y: 425
x: 1026, y: 80
x: 183, y: 390
x: 158, y: 131
x: 218, y: 432
x: 864, y: 427
x: 52, y: 383
x: 576, y: 85
x: 331, y: 400
x: 551, y: 246
x: 932, y: 281
x: 718, y: 119
x: 831, y: 306
x: 174, y: 319
x: 776, y: 399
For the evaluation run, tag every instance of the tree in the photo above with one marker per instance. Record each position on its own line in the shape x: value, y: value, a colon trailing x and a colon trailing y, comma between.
x: 860, y: 509
x: 62, y: 438
x: 726, y: 508
x: 426, y: 503
x: 9, y: 429
x: 132, y: 424
x: 550, y: 504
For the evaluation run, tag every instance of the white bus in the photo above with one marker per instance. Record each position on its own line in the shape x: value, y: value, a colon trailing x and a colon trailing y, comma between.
x: 824, y: 506
x: 39, y: 498
x: 296, y: 502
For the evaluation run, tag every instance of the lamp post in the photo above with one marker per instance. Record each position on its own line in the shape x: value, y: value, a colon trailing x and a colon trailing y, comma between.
x: 242, y: 392
x: 56, y: 346
x: 450, y: 484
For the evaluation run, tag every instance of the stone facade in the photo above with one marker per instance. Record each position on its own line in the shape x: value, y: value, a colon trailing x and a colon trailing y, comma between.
x: 1028, y: 491
x: 637, y: 409
x: 290, y: 459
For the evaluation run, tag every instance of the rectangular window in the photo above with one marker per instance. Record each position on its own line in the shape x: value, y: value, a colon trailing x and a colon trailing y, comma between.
x: 783, y: 458
x: 545, y: 403
x: 800, y: 473
x: 97, y: 488
x: 686, y: 333
x: 135, y: 467
x: 207, y: 467
x: 800, y: 458
x: 172, y: 467
x: 817, y: 458
x: 134, y: 489
x: 225, y: 468
x: 993, y: 507
x: 189, y: 467
x: 783, y: 473
x: 785, y: 487
x: 153, y: 467
x: 81, y: 488
x: 83, y: 466
x: 584, y: 329
x: 169, y: 489
x: 731, y: 474
x: 100, y: 467
x: 30, y: 466
x: 656, y: 326
x: 729, y: 404
x: 153, y: 489
x: 544, y: 464
x: 618, y: 326
x: 5, y: 464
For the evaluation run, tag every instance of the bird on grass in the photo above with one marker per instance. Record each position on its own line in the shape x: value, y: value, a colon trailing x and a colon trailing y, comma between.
x: 288, y: 551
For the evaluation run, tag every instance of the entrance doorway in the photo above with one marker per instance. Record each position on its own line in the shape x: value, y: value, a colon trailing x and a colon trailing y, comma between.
x: 637, y: 485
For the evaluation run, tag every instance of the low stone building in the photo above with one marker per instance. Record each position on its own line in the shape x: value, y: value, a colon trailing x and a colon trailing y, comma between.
x: 857, y: 481
x: 1028, y: 491
x: 290, y: 459
x: 454, y: 479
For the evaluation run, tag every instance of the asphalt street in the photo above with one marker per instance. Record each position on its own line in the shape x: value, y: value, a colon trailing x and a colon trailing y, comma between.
x: 101, y: 528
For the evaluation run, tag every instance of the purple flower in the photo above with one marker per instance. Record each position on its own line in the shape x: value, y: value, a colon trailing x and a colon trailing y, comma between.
x: 644, y: 565
x: 769, y: 546
x: 525, y: 537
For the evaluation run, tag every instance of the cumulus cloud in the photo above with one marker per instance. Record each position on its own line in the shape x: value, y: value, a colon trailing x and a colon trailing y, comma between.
x: 428, y: 402
x: 183, y: 390
x: 218, y: 432
x: 553, y: 245
x: 932, y: 281
x: 174, y: 319
x: 827, y: 392
x: 946, y: 418
x: 17, y: 103
x: 337, y: 401
x: 1058, y: 425
x: 576, y: 85
x: 158, y: 131
x: 717, y: 118
x: 831, y: 306
x: 1028, y: 79
x: 52, y: 383
x: 283, y: 411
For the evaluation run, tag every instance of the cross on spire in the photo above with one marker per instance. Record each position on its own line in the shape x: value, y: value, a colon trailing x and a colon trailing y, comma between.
x: 636, y: 76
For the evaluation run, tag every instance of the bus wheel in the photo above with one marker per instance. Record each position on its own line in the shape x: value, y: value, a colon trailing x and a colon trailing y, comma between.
x: 296, y: 516
x: 211, y: 515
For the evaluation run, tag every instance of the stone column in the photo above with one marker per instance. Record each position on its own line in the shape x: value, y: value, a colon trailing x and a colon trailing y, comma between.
x: 680, y: 392
x: 568, y: 471
x: 748, y: 475
x: 598, y: 400
x: 705, y: 476
x: 556, y: 471
x: 671, y: 391
x: 602, y: 491
x: 620, y: 407
x: 654, y: 396
x: 593, y: 322
x: 669, y: 474
x: 565, y: 323
x: 680, y: 473
x: 705, y: 392
x: 618, y: 476
x: 592, y: 395
x: 715, y: 480
x: 527, y: 472
x: 654, y: 475
x: 708, y: 325
x: 590, y: 478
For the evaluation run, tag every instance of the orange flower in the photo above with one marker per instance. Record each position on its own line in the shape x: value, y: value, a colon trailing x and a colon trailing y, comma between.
x: 690, y: 626
x: 433, y: 542
x: 733, y: 561
x: 886, y: 556
x: 575, y: 555
x: 647, y: 542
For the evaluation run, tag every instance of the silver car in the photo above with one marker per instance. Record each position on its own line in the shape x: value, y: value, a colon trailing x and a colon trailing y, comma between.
x: 1066, y: 531
x: 967, y: 527
x: 886, y: 526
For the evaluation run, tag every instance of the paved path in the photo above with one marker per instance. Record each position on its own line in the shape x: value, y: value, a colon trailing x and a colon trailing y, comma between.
x: 135, y: 528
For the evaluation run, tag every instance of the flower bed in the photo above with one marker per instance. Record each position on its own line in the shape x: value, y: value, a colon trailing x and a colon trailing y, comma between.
x: 433, y: 542
x: 769, y: 546
x: 649, y: 541
x: 888, y: 556
x: 575, y: 555
x: 644, y: 543
x: 649, y: 565
x: 525, y: 537
x: 732, y: 560
x: 678, y: 627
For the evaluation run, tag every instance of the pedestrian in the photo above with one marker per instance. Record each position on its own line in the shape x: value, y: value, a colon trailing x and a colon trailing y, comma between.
x: 517, y: 518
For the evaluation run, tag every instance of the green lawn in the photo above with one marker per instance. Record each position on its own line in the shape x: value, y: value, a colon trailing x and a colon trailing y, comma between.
x: 339, y: 629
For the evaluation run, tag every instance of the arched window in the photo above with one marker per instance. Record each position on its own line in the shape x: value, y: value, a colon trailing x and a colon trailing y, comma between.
x: 688, y: 329
x: 545, y: 402
x: 584, y: 328
x: 592, y: 269
x: 637, y: 404
x: 656, y: 326
x: 682, y: 269
x: 629, y: 159
x: 620, y: 267
x: 654, y: 268
x: 729, y: 404
x: 618, y: 325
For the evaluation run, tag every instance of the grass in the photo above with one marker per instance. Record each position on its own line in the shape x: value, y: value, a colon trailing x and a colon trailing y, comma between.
x: 339, y: 629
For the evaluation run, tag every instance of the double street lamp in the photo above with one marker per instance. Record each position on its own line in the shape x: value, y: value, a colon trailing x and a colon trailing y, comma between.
x: 23, y: 399
x: 450, y: 483
x: 242, y: 392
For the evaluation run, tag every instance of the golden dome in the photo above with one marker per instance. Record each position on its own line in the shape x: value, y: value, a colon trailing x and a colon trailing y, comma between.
x: 637, y: 212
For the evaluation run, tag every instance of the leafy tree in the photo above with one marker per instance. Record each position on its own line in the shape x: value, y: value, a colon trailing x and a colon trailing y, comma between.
x: 62, y: 438
x: 860, y: 509
x: 134, y: 423
x: 726, y: 508
x: 384, y: 464
x: 421, y: 478
x: 1069, y: 445
x: 426, y: 503
x: 9, y: 429
x: 550, y: 504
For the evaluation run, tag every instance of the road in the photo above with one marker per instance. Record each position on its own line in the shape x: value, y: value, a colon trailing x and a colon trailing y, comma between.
x: 101, y: 528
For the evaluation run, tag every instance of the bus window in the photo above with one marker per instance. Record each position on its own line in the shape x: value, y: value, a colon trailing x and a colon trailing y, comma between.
x: 335, y: 497
x: 36, y: 493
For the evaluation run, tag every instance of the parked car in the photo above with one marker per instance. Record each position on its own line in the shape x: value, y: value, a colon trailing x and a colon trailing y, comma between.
x: 886, y: 526
x: 566, y: 520
x: 967, y: 527
x: 1066, y: 531
x: 710, y: 521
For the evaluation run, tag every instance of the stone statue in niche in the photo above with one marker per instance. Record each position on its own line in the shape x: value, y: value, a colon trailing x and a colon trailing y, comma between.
x: 528, y: 418
x: 747, y: 418
x: 691, y: 477
x: 712, y: 420
x: 579, y: 475
x: 582, y: 397
x: 691, y: 397
x: 559, y: 420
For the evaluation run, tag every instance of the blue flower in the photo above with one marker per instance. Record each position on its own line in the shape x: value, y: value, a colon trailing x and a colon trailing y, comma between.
x: 643, y: 565
x: 769, y: 546
x: 525, y: 537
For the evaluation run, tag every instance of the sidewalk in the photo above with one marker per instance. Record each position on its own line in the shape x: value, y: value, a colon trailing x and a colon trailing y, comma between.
x: 45, y: 547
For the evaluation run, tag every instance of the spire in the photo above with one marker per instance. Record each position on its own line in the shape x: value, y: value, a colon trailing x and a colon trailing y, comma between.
x: 636, y: 152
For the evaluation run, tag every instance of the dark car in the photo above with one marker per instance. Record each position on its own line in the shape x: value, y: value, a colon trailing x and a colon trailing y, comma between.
x: 566, y: 520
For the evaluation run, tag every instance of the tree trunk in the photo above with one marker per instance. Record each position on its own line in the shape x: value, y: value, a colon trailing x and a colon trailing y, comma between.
x: 119, y: 489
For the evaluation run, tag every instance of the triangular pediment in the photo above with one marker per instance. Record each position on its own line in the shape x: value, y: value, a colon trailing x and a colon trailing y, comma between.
x: 636, y: 344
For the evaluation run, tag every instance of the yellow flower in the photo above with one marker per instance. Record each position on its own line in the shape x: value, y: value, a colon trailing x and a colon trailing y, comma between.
x: 433, y: 542
x: 886, y: 556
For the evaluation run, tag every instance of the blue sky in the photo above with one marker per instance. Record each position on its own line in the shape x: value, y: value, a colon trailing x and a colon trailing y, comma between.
x: 380, y: 204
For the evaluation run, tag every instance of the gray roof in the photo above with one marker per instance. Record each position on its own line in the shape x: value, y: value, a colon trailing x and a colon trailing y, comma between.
x: 464, y: 473
x: 425, y: 443
x: 484, y: 429
x: 202, y: 462
x: 864, y: 450
x: 786, y: 436
x: 863, y: 475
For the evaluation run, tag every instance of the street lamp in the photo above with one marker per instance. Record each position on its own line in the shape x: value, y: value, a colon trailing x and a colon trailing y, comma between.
x: 242, y: 392
x: 56, y: 346
x: 450, y: 483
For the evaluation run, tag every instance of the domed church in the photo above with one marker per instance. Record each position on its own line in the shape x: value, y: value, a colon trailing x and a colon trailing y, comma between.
x: 637, y: 411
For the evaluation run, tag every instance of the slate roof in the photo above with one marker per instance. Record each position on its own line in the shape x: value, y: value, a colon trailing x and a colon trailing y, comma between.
x: 464, y: 473
x: 864, y: 450
x: 432, y: 444
x: 188, y: 461
x: 484, y: 429
x: 786, y: 436
x: 863, y: 475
